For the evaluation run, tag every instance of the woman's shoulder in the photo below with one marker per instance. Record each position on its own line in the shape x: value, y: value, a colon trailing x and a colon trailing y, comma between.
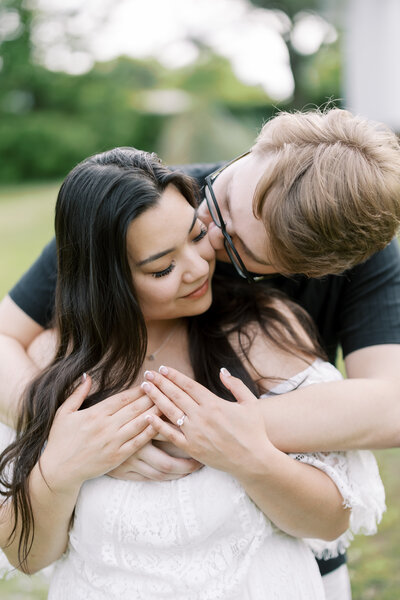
x: 317, y: 372
x: 267, y: 361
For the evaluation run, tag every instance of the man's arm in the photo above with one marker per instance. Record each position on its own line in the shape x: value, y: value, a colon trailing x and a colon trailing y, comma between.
x: 360, y: 412
x: 24, y: 313
x: 364, y: 410
x: 17, y: 331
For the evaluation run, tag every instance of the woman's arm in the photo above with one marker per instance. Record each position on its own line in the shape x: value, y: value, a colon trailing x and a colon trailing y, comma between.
x: 300, y: 499
x: 53, y: 508
x: 82, y: 444
x: 231, y: 437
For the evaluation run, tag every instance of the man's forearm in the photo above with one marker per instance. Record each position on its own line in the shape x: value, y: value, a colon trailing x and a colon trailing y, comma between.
x: 342, y: 415
x: 17, y: 331
x: 16, y: 370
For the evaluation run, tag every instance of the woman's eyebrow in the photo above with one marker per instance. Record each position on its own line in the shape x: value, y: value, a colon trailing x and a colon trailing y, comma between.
x: 164, y: 252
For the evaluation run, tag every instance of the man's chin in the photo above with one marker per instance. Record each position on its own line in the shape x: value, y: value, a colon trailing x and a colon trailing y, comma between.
x: 255, y: 269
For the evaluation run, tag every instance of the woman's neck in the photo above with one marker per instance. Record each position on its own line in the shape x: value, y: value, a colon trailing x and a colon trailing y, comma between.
x: 164, y: 339
x: 158, y: 330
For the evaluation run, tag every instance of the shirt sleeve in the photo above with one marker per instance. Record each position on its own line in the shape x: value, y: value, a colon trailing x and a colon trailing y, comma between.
x: 198, y: 171
x: 369, y: 306
x: 34, y: 293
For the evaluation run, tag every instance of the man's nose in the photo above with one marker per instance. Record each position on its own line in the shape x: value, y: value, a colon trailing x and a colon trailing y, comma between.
x: 204, y: 213
x: 215, y: 236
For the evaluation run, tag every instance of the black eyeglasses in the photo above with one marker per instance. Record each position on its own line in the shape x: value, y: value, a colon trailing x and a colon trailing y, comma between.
x: 216, y: 216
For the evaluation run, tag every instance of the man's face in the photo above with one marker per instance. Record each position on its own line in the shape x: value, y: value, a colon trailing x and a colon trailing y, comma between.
x: 234, y: 190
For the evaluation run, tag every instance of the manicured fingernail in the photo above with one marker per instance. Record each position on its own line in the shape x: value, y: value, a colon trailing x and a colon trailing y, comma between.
x: 149, y: 375
x: 84, y: 377
x: 145, y: 386
x: 224, y: 372
x: 148, y: 418
x: 163, y: 370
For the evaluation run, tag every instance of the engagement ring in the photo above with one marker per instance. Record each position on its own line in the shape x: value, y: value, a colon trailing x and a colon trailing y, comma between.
x: 181, y: 420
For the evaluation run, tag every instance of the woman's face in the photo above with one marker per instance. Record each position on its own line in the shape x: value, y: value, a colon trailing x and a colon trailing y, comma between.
x: 171, y: 259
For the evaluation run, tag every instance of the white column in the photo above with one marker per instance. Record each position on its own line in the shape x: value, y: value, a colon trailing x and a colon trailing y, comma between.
x: 372, y: 59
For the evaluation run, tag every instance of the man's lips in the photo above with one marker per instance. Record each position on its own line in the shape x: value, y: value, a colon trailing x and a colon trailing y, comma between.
x: 198, y: 292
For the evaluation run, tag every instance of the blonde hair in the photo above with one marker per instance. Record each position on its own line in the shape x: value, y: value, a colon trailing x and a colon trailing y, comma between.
x: 332, y: 195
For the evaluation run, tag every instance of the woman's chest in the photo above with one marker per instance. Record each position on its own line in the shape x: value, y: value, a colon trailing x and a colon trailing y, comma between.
x: 161, y: 515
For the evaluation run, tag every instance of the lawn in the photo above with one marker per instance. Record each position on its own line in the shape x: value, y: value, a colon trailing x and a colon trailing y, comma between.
x: 26, y: 224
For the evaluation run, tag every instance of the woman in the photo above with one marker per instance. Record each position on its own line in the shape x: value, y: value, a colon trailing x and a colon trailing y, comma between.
x: 134, y: 292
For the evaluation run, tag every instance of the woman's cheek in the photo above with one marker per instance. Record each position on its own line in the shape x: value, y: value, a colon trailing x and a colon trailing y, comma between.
x: 167, y: 288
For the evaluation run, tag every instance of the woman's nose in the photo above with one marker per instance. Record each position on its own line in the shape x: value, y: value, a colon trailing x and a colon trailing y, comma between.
x: 197, y: 266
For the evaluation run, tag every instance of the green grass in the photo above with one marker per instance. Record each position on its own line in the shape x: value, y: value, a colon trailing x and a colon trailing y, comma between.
x: 26, y: 224
x: 22, y: 587
x: 373, y: 561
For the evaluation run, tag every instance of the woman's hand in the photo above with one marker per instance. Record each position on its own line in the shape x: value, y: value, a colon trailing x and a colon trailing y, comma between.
x: 300, y: 499
x: 87, y: 443
x: 154, y: 463
x: 225, y: 435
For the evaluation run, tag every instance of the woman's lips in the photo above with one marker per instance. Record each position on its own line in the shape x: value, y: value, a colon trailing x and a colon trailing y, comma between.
x: 200, y: 291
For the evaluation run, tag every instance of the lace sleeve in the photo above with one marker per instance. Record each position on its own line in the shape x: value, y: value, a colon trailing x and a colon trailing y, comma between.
x: 356, y: 475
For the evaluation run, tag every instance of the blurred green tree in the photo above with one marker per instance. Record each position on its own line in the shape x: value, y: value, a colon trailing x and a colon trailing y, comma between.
x: 317, y: 76
x: 290, y: 7
x: 51, y: 120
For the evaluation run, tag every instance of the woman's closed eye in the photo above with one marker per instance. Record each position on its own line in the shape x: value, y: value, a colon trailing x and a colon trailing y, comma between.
x: 202, y: 234
x: 195, y: 240
x: 166, y: 271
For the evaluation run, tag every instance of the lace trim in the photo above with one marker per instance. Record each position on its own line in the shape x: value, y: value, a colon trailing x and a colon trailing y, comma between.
x: 356, y: 476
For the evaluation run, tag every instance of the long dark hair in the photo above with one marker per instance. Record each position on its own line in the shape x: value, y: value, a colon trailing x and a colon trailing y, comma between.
x: 235, y: 305
x: 98, y: 318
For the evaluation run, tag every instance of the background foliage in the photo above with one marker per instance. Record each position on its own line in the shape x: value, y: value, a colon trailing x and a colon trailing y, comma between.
x: 49, y: 120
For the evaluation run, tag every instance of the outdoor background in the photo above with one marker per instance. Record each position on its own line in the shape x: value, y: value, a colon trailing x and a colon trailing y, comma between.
x: 192, y: 80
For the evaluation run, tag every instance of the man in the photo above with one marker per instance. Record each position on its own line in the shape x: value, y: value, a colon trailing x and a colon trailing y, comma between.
x: 317, y: 194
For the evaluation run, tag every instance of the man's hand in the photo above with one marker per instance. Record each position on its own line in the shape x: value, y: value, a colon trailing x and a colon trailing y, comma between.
x: 152, y: 463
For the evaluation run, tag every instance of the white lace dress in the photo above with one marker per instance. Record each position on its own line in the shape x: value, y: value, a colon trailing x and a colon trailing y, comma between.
x: 202, y: 538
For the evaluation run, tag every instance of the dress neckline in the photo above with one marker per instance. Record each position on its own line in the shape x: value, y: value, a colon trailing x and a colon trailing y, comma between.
x: 294, y: 380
